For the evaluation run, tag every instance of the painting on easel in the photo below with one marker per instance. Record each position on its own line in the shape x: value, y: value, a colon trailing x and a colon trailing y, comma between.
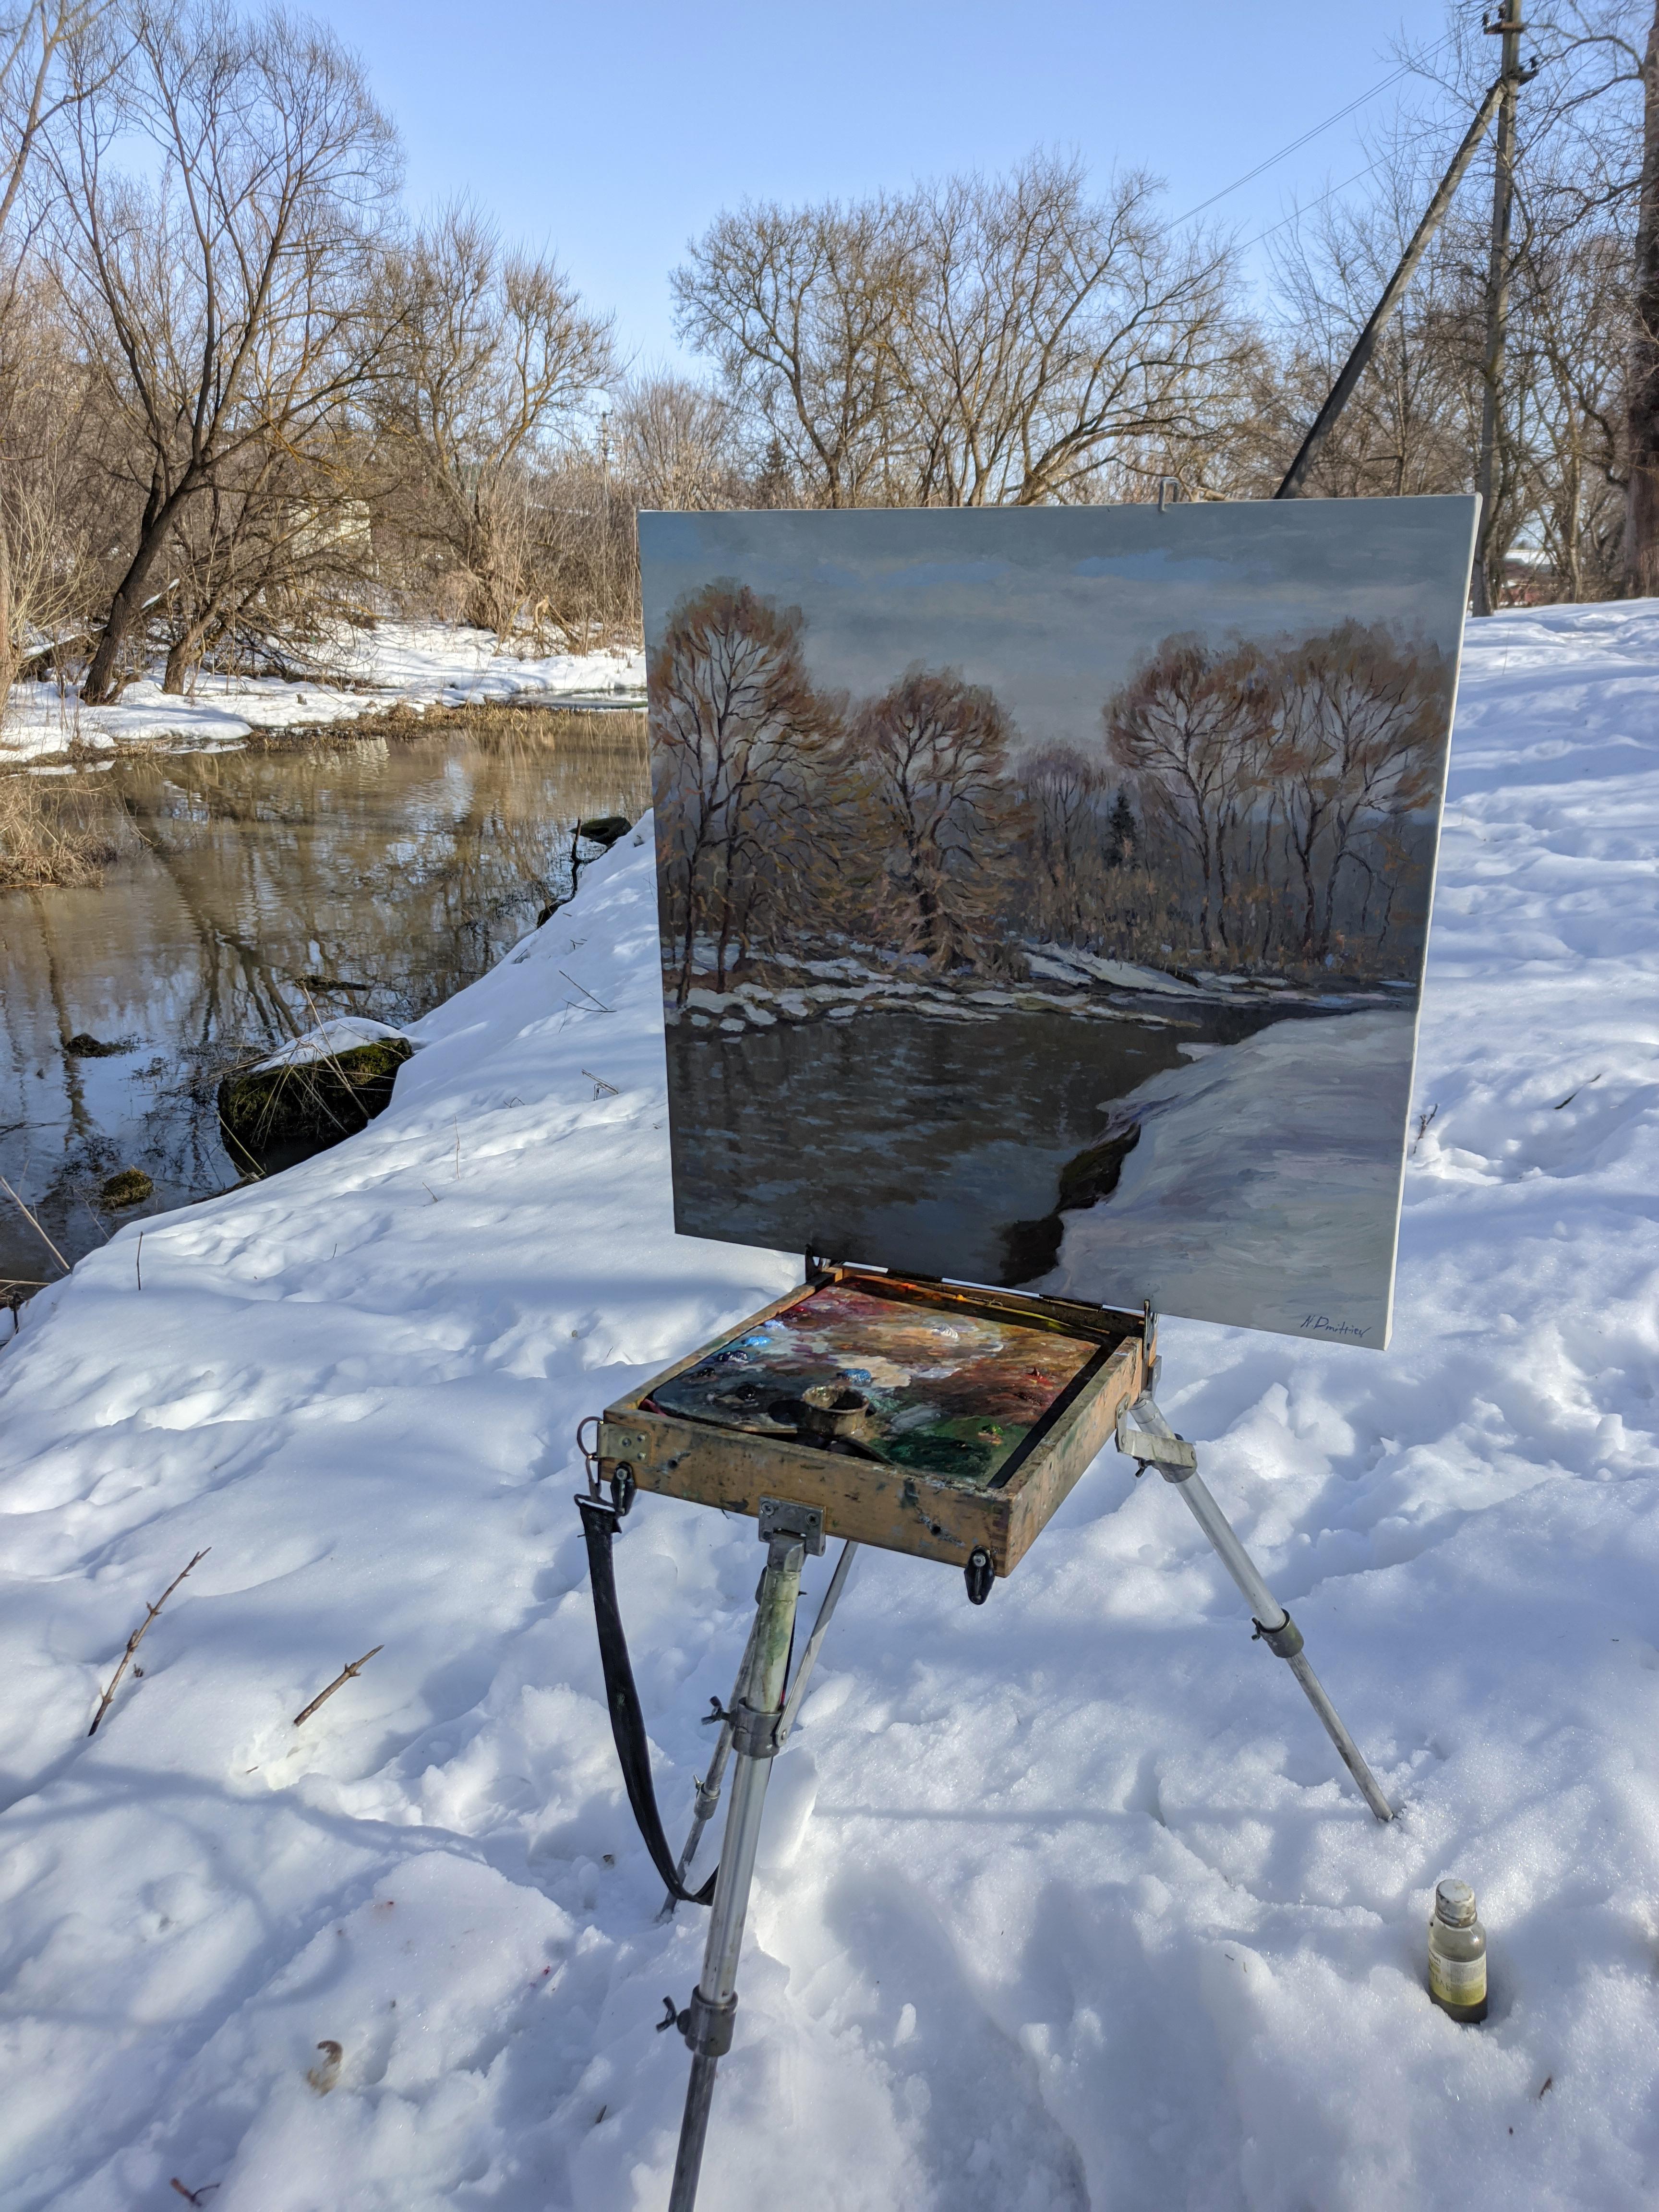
x: 1044, y: 893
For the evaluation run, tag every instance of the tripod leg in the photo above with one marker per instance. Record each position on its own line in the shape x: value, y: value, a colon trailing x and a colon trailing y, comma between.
x: 1146, y: 1436
x: 707, y: 1803
x: 1278, y: 1631
x: 815, y: 1642
x: 706, y: 2023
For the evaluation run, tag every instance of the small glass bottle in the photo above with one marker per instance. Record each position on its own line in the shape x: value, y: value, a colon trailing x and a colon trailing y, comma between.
x: 1457, y: 1954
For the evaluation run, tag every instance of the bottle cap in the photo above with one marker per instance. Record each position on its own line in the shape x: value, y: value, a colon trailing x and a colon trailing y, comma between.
x: 1453, y: 1902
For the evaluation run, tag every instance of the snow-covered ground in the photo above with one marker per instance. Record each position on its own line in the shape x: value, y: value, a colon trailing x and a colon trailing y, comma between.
x: 1064, y: 1902
x: 396, y: 663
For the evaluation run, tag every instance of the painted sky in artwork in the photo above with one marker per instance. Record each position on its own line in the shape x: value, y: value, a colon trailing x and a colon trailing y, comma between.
x: 1051, y: 607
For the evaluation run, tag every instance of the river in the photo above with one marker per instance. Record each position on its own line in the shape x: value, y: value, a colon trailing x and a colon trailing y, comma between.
x: 264, y: 889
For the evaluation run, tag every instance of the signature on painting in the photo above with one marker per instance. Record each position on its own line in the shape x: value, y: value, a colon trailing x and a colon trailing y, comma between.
x: 1331, y: 1327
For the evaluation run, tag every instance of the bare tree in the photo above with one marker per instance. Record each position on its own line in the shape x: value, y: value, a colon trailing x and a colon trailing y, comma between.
x: 1047, y: 331
x: 801, y: 307
x: 675, y: 444
x: 979, y: 342
x: 1187, y: 727
x: 218, y: 286
x: 493, y: 354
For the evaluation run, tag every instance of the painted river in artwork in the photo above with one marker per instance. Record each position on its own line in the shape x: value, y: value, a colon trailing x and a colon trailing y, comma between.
x: 934, y: 1144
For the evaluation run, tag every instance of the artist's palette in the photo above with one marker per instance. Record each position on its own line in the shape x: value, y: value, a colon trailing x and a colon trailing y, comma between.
x: 951, y: 1394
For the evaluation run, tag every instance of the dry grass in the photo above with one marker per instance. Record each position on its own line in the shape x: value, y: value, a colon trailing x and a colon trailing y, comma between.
x: 64, y: 832
x: 536, y: 718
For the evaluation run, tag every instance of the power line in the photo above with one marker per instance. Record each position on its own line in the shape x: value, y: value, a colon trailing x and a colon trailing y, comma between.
x: 1330, y: 192
x: 1297, y: 144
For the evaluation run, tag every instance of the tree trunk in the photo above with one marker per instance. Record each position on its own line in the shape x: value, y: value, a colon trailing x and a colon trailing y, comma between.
x: 8, y: 665
x: 1642, y: 494
x: 181, y: 657
x: 125, y: 610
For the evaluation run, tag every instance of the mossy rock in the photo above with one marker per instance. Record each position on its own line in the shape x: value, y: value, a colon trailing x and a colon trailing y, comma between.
x: 297, y: 1110
x: 82, y: 1047
x: 605, y: 829
x: 131, y: 1187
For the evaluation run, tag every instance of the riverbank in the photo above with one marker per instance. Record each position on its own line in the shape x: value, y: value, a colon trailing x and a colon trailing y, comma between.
x: 253, y: 894
x: 1087, y: 1844
x: 416, y: 667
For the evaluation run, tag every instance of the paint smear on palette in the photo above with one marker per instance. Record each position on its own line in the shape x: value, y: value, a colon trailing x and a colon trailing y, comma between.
x: 949, y: 1393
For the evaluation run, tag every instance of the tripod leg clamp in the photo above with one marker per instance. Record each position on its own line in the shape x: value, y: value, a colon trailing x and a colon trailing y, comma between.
x: 706, y: 2023
x: 754, y: 1734
x: 1284, y: 1642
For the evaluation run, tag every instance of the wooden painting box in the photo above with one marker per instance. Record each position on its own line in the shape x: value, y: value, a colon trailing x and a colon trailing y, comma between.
x: 865, y: 1499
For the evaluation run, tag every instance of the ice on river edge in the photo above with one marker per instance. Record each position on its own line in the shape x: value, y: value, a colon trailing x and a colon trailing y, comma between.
x: 1072, y: 1906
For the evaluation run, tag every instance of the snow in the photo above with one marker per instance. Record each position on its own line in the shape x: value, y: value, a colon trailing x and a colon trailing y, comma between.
x: 417, y: 664
x: 340, y: 1033
x: 1067, y: 1902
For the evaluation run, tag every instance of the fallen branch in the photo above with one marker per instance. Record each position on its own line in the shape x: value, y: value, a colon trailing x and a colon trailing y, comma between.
x: 34, y: 1224
x: 586, y: 993
x: 344, y: 1675
x: 137, y: 1636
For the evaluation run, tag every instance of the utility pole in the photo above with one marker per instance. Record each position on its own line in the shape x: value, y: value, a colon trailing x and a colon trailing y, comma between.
x: 1508, y: 27
x: 1366, y: 345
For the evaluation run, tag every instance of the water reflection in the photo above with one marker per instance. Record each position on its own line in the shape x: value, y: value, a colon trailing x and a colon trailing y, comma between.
x: 272, y: 888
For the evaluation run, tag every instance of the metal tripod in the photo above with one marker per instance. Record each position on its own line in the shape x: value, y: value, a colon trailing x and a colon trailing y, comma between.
x: 756, y: 1727
x: 1145, y: 1435
x: 764, y: 1703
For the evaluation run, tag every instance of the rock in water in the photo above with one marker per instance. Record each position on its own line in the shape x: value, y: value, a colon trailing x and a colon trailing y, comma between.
x: 131, y: 1187
x: 275, y: 1115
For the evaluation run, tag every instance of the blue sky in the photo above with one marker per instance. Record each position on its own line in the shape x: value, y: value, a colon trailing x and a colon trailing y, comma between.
x: 614, y: 133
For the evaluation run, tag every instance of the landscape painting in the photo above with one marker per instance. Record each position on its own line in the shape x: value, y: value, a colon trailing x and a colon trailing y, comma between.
x: 1044, y: 892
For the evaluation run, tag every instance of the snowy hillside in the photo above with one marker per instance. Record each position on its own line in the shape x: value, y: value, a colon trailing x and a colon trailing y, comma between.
x: 1064, y: 1902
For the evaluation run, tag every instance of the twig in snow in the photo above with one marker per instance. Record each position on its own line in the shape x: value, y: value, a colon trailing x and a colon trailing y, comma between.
x: 1424, y: 1123
x: 138, y: 1260
x: 137, y: 1636
x: 601, y: 1088
x: 586, y: 993
x: 1567, y: 1101
x: 355, y: 1667
x: 323, y: 2078
x: 194, y: 2196
x: 30, y: 1219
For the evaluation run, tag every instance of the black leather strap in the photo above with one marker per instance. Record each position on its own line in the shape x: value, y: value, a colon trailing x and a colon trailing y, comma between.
x: 626, y: 1720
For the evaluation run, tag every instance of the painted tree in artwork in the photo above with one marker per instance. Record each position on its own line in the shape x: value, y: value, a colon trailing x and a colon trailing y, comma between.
x: 737, y: 726
x: 1189, y: 727
x: 1360, y: 719
x: 930, y: 757
x: 1075, y: 839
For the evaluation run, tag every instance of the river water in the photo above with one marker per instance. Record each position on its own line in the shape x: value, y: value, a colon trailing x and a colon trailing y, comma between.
x: 266, y: 889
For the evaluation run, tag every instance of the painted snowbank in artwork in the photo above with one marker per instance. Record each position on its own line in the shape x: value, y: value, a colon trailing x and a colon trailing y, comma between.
x: 1283, y: 1143
x: 1086, y: 1844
